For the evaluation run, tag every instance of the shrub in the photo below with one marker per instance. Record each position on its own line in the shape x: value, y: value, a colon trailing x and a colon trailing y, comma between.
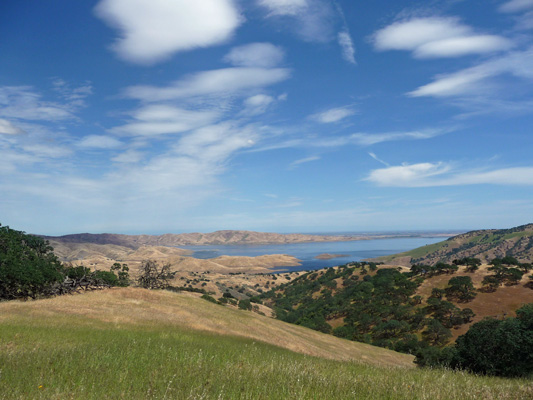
x: 209, y: 298
x: 245, y: 305
x: 154, y: 276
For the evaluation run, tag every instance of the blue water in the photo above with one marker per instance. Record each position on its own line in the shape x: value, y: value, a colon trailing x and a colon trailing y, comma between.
x: 306, y: 252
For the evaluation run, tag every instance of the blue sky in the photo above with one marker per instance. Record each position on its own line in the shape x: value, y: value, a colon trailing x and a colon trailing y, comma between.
x: 154, y: 116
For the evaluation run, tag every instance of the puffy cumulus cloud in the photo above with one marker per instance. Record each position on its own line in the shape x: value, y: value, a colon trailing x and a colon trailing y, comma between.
x: 99, y: 142
x: 153, y: 30
x: 347, y: 46
x: 8, y: 128
x: 264, y: 55
x: 161, y: 119
x: 442, y: 174
x: 469, y: 81
x: 514, y: 6
x: 333, y: 115
x: 221, y: 82
x: 434, y: 37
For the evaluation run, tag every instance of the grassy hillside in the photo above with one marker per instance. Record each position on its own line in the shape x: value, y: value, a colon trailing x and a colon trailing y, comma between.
x: 484, y: 244
x: 130, y: 343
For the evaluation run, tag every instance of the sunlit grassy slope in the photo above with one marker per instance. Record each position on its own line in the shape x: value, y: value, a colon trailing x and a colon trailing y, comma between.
x: 135, y: 344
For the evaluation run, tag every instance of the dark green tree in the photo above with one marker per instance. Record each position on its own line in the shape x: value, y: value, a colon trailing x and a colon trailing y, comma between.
x: 28, y: 266
x: 498, y: 347
x: 461, y: 288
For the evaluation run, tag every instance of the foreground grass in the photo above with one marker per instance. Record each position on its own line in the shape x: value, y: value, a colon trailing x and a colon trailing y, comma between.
x: 138, y: 344
x: 63, y: 359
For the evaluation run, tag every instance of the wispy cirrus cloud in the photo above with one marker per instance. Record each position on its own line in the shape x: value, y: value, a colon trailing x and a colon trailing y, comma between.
x: 444, y: 174
x: 334, y: 114
x: 162, y: 119
x: 7, y: 128
x: 296, y: 163
x: 436, y: 37
x: 263, y: 55
x: 153, y: 30
x: 348, y: 49
x: 225, y: 81
x: 518, y: 64
x: 312, y: 20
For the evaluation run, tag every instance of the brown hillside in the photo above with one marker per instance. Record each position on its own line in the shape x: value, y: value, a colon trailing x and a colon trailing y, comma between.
x: 499, y: 304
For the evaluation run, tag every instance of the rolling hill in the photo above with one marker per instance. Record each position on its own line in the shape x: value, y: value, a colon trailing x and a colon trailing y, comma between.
x: 139, y: 344
x: 483, y: 244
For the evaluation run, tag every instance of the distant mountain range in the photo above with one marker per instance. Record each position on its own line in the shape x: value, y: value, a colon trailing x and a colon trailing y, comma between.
x: 483, y: 244
x: 215, y: 238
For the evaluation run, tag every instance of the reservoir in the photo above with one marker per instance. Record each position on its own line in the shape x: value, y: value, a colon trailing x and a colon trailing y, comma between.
x: 356, y: 250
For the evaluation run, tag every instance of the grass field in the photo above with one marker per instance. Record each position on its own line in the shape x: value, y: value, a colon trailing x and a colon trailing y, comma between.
x: 50, y: 351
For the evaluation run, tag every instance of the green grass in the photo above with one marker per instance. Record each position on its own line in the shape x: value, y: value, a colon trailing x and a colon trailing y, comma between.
x: 69, y: 357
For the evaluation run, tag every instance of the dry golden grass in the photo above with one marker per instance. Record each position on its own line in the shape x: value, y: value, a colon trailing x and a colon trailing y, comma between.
x: 499, y: 304
x: 124, y: 307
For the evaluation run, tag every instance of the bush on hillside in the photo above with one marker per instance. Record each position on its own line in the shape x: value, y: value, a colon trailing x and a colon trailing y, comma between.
x: 154, y: 276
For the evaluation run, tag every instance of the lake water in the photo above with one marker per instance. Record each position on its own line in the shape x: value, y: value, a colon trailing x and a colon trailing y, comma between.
x: 306, y: 252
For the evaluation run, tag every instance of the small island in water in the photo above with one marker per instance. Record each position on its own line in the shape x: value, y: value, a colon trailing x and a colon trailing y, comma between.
x: 328, y: 256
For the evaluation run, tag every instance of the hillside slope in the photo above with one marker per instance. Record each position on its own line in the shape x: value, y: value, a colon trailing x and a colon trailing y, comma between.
x: 137, y: 344
x: 483, y: 244
x: 140, y: 307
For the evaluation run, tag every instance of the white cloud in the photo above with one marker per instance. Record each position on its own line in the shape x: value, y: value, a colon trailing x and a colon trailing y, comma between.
x: 215, y: 82
x: 263, y: 55
x: 347, y: 46
x: 442, y: 174
x: 333, y: 115
x: 358, y: 139
x: 257, y: 104
x: 304, y: 160
x: 8, y: 128
x: 312, y: 20
x: 284, y: 7
x: 160, y: 119
x: 99, y: 142
x: 130, y: 156
x: 461, y: 46
x: 434, y: 37
x: 468, y: 81
x: 375, y: 157
x: 516, y: 6
x: 22, y: 102
x: 153, y: 30
x: 407, y: 175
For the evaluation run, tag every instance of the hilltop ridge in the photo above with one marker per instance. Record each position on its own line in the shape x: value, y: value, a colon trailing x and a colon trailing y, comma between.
x: 484, y: 244
x: 222, y: 237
